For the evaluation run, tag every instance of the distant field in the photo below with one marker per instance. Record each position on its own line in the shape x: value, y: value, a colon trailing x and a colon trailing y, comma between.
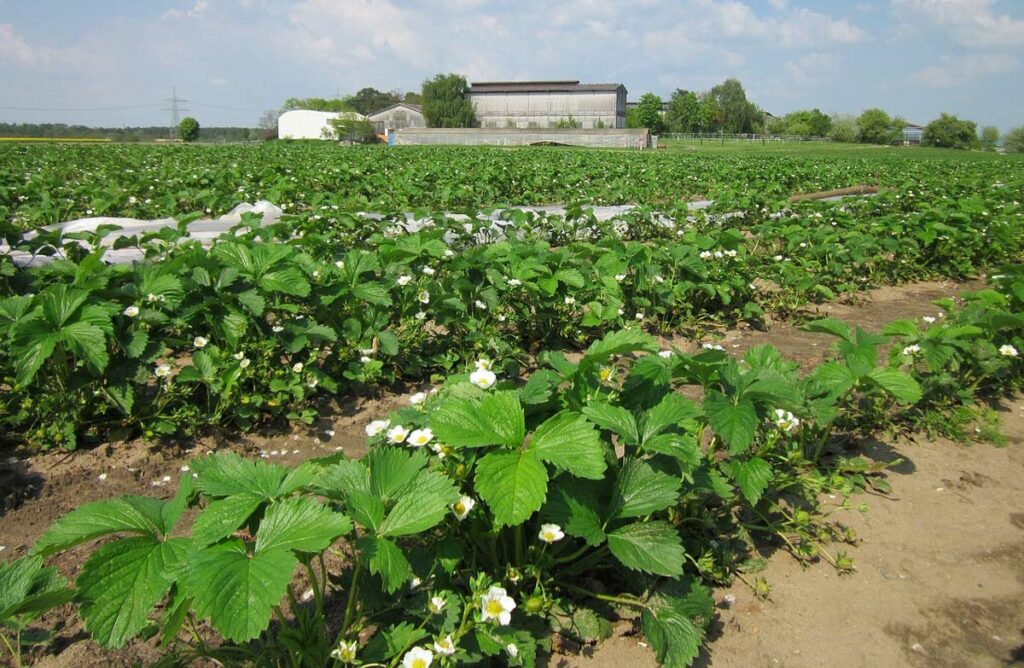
x: 50, y: 182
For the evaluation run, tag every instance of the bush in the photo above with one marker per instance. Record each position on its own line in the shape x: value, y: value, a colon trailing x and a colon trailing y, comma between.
x: 948, y: 131
x: 188, y: 129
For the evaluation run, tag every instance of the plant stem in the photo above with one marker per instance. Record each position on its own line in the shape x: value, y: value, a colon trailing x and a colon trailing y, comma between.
x: 15, y: 656
x: 622, y: 600
x: 518, y: 536
x: 350, y: 606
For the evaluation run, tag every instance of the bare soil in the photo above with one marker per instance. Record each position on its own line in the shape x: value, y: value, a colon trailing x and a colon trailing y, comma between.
x: 940, y: 569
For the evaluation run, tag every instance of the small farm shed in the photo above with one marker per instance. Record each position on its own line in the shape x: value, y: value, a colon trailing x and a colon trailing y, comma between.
x: 547, y: 104
x: 912, y: 133
x: 308, y: 124
x: 396, y: 117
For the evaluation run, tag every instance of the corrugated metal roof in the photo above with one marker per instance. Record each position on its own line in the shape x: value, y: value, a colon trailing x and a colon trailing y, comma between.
x: 539, y: 87
x: 414, y: 107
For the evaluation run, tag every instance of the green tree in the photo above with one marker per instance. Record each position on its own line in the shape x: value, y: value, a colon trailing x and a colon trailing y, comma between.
x: 351, y: 127
x: 989, y: 137
x: 1013, y: 141
x: 874, y: 126
x: 683, y: 113
x: 809, y: 122
x: 708, y: 115
x: 648, y: 112
x: 188, y: 129
x: 316, y: 104
x: 445, y: 104
x: 948, y: 131
x: 736, y: 114
x: 412, y: 98
x: 370, y: 100
x: 843, y: 128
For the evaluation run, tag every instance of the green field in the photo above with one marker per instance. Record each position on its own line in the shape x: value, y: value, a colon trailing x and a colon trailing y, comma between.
x: 569, y: 465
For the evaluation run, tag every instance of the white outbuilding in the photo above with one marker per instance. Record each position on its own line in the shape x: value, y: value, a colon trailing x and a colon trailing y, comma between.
x: 307, y: 124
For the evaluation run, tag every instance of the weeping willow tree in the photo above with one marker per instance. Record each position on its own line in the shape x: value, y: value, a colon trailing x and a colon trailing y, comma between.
x: 445, y: 104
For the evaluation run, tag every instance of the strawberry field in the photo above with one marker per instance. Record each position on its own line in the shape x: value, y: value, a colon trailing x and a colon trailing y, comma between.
x: 559, y: 467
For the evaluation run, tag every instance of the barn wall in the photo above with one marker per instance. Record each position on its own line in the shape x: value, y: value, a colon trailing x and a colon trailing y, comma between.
x: 523, y: 137
x: 306, y: 124
x: 396, y: 118
x: 531, y: 110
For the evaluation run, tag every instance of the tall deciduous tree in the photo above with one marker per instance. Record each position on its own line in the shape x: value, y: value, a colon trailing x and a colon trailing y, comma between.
x: 445, y: 104
x: 1013, y: 141
x: 874, y: 126
x: 370, y: 100
x: 989, y: 137
x: 683, y: 113
x: 735, y: 113
x: 948, y: 131
x: 648, y: 112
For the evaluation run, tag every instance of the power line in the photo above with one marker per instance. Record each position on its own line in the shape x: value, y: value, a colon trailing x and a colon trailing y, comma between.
x: 175, y: 110
x: 134, y: 106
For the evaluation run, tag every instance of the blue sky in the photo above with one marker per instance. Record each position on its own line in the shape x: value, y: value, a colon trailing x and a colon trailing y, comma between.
x: 112, y: 62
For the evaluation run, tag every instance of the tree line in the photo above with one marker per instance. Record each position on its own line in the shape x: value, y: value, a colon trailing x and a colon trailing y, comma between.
x: 126, y: 134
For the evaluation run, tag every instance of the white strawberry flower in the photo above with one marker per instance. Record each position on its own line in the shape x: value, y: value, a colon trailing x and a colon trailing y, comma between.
x: 365, y: 359
x: 480, y: 305
x: 620, y: 277
x: 429, y: 271
x: 639, y: 315
x: 497, y: 604
x: 398, y: 434
x: 421, y: 315
x: 277, y: 329
x: 131, y: 311
x: 786, y: 421
x: 340, y: 264
x: 462, y: 507
x: 551, y: 533
x: 911, y: 350
x: 483, y: 378
x: 712, y: 346
x: 345, y: 652
x: 659, y: 279
x: 1007, y: 350
x: 162, y: 370
x: 730, y: 253
x: 778, y: 258
x: 438, y: 450
x: 420, y: 437
x: 666, y: 354
x: 239, y: 356
x: 244, y: 363
x: 512, y: 649
x: 377, y: 427
x: 705, y: 255
x: 445, y: 646
x: 424, y: 297
x: 569, y: 301
x: 297, y: 367
x: 418, y: 398
x: 483, y: 363
x: 418, y: 657
x: 928, y: 319
x: 200, y: 342
x: 436, y: 605
x: 514, y: 282
x: 448, y: 252
x: 403, y: 279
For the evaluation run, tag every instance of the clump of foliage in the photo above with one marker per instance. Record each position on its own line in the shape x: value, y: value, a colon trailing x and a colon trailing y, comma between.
x: 948, y: 131
x: 188, y: 129
x: 445, y: 104
x: 874, y: 126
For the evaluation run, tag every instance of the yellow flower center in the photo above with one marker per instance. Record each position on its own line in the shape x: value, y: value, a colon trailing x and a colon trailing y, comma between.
x: 494, y: 607
x: 419, y: 663
x: 460, y: 508
x: 549, y: 536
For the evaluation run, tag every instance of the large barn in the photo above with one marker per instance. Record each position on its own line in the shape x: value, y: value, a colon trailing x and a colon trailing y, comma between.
x: 397, y: 117
x: 307, y: 124
x: 548, y: 104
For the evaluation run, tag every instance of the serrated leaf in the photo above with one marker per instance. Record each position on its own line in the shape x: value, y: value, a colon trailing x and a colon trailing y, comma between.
x: 675, y: 639
x: 576, y: 506
x: 288, y: 280
x: 494, y: 419
x: 226, y: 474
x: 422, y: 505
x: 752, y: 477
x: 734, y: 423
x: 386, y: 560
x: 569, y: 442
x: 131, y: 514
x: 301, y: 525
x: 651, y: 547
x: 236, y: 591
x: 835, y: 377
x: 372, y: 293
x: 830, y: 326
x: 613, y: 418
x: 222, y: 517
x: 617, y: 343
x: 902, y: 328
x: 27, y: 587
x: 897, y: 383
x: 513, y: 484
x: 671, y: 411
x: 123, y: 581
x: 391, y: 469
x: 640, y: 490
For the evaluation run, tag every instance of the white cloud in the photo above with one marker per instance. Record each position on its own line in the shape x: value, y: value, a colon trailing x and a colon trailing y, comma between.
x: 198, y: 9
x: 813, y: 69
x: 14, y: 48
x: 953, y: 71
x: 972, y: 23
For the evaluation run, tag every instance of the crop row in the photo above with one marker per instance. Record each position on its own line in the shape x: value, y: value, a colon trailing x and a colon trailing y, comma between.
x: 495, y: 512
x: 254, y: 328
x: 50, y: 184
